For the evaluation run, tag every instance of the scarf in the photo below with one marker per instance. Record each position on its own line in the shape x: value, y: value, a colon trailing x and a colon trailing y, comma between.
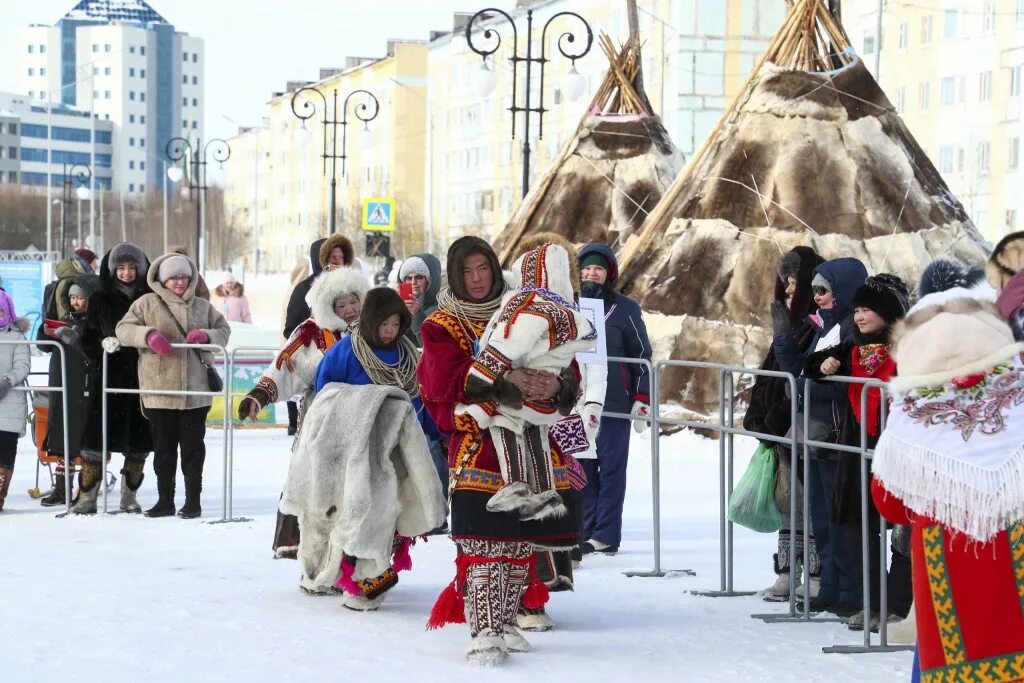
x: 870, y: 359
x: 469, y: 312
x: 955, y: 452
x: 402, y: 374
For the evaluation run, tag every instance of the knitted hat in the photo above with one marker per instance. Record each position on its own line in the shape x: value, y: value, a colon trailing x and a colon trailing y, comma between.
x: 76, y: 290
x: 820, y: 281
x: 174, y: 265
x: 413, y: 265
x: 886, y: 295
x: 946, y: 273
x: 595, y: 259
x: 458, y: 252
x: 380, y: 304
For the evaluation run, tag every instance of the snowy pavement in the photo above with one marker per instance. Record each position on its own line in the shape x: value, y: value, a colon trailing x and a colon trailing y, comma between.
x: 125, y: 598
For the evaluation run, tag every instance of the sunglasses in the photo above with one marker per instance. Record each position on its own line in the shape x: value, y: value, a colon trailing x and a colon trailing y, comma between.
x: 820, y: 291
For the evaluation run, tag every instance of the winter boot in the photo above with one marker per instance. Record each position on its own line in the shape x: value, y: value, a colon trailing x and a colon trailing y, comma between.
x: 56, y: 496
x: 165, y: 503
x: 131, y: 480
x: 815, y: 584
x: 361, y: 603
x: 536, y: 620
x: 5, y: 484
x: 88, y: 489
x: 779, y: 591
x: 487, y: 648
x: 596, y: 546
x: 191, y: 509
x: 904, y: 632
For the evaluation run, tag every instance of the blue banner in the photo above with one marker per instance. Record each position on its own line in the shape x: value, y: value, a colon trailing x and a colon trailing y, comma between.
x: 23, y: 280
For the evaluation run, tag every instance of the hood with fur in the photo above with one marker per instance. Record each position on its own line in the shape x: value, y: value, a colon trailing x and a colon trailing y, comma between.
x: 549, y: 267
x: 336, y: 240
x: 380, y: 304
x: 798, y: 263
x: 158, y: 287
x: 327, y: 288
x: 89, y: 283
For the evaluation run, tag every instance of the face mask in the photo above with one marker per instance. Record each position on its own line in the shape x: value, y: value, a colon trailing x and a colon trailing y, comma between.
x: 592, y: 290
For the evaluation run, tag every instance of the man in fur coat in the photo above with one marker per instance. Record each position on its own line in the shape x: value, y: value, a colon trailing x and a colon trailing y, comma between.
x: 951, y: 464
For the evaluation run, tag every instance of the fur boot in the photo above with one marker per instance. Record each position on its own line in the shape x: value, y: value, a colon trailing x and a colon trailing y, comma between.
x: 131, y: 480
x: 485, y: 599
x: 513, y: 585
x: 779, y: 591
x: 310, y: 587
x: 904, y: 632
x: 361, y: 603
x: 89, y: 488
x: 536, y: 620
x: 487, y: 648
x: 5, y: 485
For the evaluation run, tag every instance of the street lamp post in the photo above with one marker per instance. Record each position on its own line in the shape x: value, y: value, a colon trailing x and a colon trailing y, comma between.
x: 81, y: 175
x: 331, y: 123
x: 180, y: 149
x: 487, y: 80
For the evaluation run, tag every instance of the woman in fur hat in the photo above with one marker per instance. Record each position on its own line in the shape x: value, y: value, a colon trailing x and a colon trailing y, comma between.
x: 72, y: 297
x: 878, y: 304
x: 123, y: 273
x: 229, y: 298
x: 380, y: 352
x: 174, y: 313
x: 950, y: 463
x: 335, y: 300
x: 769, y: 410
x: 15, y: 364
x: 495, y: 550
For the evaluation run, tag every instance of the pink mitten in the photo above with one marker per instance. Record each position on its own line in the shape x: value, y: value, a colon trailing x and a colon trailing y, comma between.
x: 197, y: 337
x: 158, y: 343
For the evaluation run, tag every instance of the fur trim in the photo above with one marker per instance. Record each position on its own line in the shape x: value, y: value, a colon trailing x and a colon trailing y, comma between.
x: 534, y: 622
x: 379, y: 304
x: 908, y: 382
x: 539, y: 240
x: 461, y: 249
x: 885, y: 294
x: 327, y: 288
x: 336, y: 240
x: 947, y: 273
x: 1007, y: 260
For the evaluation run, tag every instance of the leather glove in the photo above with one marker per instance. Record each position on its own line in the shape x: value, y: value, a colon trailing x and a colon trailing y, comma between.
x: 111, y: 344
x: 156, y: 341
x: 197, y: 337
x: 640, y: 409
x: 780, y: 319
x: 5, y: 386
x: 591, y: 414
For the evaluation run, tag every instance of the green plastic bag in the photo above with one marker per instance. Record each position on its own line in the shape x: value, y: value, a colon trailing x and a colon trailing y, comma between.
x: 752, y: 503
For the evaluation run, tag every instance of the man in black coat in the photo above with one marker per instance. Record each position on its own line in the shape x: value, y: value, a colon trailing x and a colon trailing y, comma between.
x: 336, y: 250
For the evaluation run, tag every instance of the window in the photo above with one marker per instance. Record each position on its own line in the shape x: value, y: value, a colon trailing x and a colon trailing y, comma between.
x: 32, y: 93
x: 142, y: 142
x: 71, y: 134
x: 1011, y: 219
x: 131, y: 142
x: 184, y: 80
x: 42, y: 49
x: 960, y: 159
x: 195, y: 102
x: 869, y: 45
x: 184, y: 56
x: 1015, y: 81
x: 946, y: 159
x: 131, y: 118
x: 984, y: 157
x: 948, y: 91
x: 184, y: 123
x: 901, y: 100
x: 988, y: 19
x: 95, y: 71
x: 131, y: 165
x: 13, y: 176
x: 131, y: 95
x: 42, y: 71
x: 985, y: 87
x: 1020, y: 11
x: 33, y: 130
x: 95, y: 47
x: 131, y: 187
x: 103, y: 160
x: 103, y: 137
x: 106, y: 71
x: 1014, y: 149
x: 142, y: 165
x: 142, y: 118
x: 184, y: 101
x: 42, y: 94
x: 195, y: 57
x: 31, y: 154
x: 926, y: 30
x: 142, y: 187
x: 131, y: 73
x: 31, y: 71
x: 142, y: 97
x: 33, y: 178
x: 106, y: 94
x: 131, y: 49
x: 142, y: 49
x: 195, y: 80
x: 12, y: 152
x: 194, y: 125
x: 924, y: 96
x: 142, y: 73
x: 12, y: 128
x: 950, y: 29
x: 106, y: 48
x: 31, y: 49
x: 61, y: 157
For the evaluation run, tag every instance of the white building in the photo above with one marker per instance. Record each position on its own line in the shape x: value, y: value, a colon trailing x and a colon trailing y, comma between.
x: 123, y: 61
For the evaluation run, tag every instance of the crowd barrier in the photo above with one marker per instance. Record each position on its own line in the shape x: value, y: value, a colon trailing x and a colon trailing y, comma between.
x: 26, y: 388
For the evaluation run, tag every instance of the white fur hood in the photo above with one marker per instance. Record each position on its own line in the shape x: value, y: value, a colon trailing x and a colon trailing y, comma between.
x: 326, y: 289
x: 551, y: 273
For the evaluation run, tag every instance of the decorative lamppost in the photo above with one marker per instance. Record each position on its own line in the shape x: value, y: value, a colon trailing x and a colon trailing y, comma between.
x: 486, y: 80
x: 180, y: 149
x: 81, y: 175
x: 306, y: 109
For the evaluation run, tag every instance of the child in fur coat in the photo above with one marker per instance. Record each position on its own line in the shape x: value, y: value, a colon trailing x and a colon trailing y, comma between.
x: 950, y: 463
x: 379, y: 351
x: 878, y: 304
x: 537, y: 327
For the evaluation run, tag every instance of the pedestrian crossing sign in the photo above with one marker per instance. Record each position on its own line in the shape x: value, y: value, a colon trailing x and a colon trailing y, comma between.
x: 379, y: 214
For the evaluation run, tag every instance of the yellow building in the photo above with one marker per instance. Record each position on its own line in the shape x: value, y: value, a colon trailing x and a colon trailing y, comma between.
x: 954, y: 69
x: 697, y: 55
x: 277, y: 180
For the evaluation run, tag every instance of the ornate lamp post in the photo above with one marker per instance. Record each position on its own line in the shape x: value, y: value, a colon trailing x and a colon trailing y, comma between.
x: 486, y: 80
x: 306, y: 109
x: 180, y: 149
x: 81, y: 175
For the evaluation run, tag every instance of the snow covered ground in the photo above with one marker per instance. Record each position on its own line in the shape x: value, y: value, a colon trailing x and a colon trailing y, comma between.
x: 125, y: 598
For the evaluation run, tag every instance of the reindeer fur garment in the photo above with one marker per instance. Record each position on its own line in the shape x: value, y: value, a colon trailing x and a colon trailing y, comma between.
x: 361, y: 471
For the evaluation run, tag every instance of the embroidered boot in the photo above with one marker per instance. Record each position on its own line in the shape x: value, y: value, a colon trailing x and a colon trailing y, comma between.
x: 88, y: 489
x: 484, y: 596
x: 512, y: 594
x: 131, y: 480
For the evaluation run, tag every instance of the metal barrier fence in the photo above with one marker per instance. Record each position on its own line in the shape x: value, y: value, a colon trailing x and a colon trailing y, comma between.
x: 25, y: 388
x: 105, y: 391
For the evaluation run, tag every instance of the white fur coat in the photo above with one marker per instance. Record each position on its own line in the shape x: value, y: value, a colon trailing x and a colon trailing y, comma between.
x: 360, y: 473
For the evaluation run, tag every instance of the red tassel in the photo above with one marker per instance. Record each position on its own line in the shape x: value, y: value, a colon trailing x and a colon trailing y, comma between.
x: 536, y: 595
x: 402, y: 560
x: 345, y: 581
x: 449, y: 609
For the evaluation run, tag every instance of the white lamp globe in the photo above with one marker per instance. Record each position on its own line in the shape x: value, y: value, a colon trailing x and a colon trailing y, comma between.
x: 575, y: 85
x: 175, y: 174
x: 366, y: 138
x: 82, y: 193
x: 303, y: 135
x: 484, y: 80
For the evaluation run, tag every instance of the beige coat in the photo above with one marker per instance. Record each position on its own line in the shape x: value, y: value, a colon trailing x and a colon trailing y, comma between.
x: 181, y: 370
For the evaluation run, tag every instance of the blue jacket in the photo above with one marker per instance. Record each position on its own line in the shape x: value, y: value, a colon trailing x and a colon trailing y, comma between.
x: 340, y: 364
x: 845, y: 275
x: 626, y: 337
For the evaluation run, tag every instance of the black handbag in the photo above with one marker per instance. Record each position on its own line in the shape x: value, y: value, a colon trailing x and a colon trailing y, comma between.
x: 213, y: 379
